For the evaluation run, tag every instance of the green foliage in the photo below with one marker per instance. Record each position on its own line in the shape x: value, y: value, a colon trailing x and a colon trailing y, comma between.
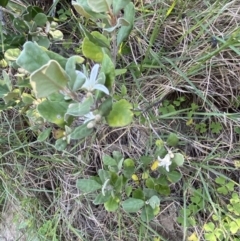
x: 216, y: 127
x: 64, y: 89
x: 128, y: 184
x: 4, y: 3
x: 224, y: 186
x: 197, y: 204
x: 121, y: 114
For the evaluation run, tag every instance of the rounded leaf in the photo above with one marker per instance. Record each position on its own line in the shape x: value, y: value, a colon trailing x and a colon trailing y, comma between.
x: 172, y: 139
x: 99, y: 6
x: 81, y: 132
x: 12, y: 54
x: 132, y: 205
x: 178, y: 159
x: 174, y: 176
x: 121, y: 114
x: 154, y: 202
x: 92, y: 51
x: 53, y: 111
x: 147, y: 214
x: 112, y: 204
x: 48, y: 79
x: 88, y: 185
x: 40, y: 19
x: 32, y: 57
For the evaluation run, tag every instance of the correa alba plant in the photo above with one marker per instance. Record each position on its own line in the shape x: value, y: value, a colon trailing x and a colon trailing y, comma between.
x: 136, y: 186
x: 55, y: 91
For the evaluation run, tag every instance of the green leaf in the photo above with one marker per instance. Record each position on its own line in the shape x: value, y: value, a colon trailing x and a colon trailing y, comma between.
x: 12, y: 54
x: 109, y: 161
x: 12, y: 96
x: 210, y: 237
x: 53, y: 111
x: 216, y: 127
x: 128, y: 190
x: 147, y: 214
x: 128, y: 163
x: 209, y: 227
x: 27, y: 99
x: 32, y: 57
x: 60, y: 144
x: 174, y: 176
x: 132, y: 205
x: 92, y: 51
x: 31, y: 12
x: 109, y: 70
x: 99, y: 39
x: 43, y: 41
x: 80, y: 109
x: 146, y: 160
x: 220, y: 180
x: 118, y: 186
x: 54, y: 56
x: 106, y: 106
x: 40, y: 19
x: 112, y: 204
x: 44, y: 135
x: 88, y: 185
x: 20, y: 25
x: 234, y: 227
x: 178, y: 159
x: 230, y: 186
x: 138, y: 194
x: 81, y: 132
x: 117, y: 155
x: 154, y: 202
x: 56, y: 35
x: 7, y: 80
x: 121, y: 114
x: 84, y: 9
x: 100, y: 6
x: 162, y: 189
x: 118, y: 5
x: 172, y: 139
x: 48, y: 79
x: 123, y: 90
x: 223, y: 190
x: 71, y: 69
x: 103, y: 175
x: 4, y: 3
x: 128, y: 171
x: 3, y: 89
x: 100, y: 199
x: 148, y: 192
x: 129, y: 16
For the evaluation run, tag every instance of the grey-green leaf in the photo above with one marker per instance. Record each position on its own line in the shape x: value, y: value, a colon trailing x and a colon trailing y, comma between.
x: 48, y: 79
x: 129, y: 16
x: 132, y: 205
x: 81, y: 132
x: 118, y: 5
x: 80, y: 109
x: 32, y: 57
x: 88, y: 185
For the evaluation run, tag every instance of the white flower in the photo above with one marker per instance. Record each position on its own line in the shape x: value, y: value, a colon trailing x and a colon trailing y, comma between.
x: 90, y: 116
x: 166, y: 161
x: 92, y: 83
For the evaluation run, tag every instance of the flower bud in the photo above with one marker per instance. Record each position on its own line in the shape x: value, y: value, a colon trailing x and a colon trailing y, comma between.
x: 89, y: 94
x: 98, y: 117
x: 91, y: 124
